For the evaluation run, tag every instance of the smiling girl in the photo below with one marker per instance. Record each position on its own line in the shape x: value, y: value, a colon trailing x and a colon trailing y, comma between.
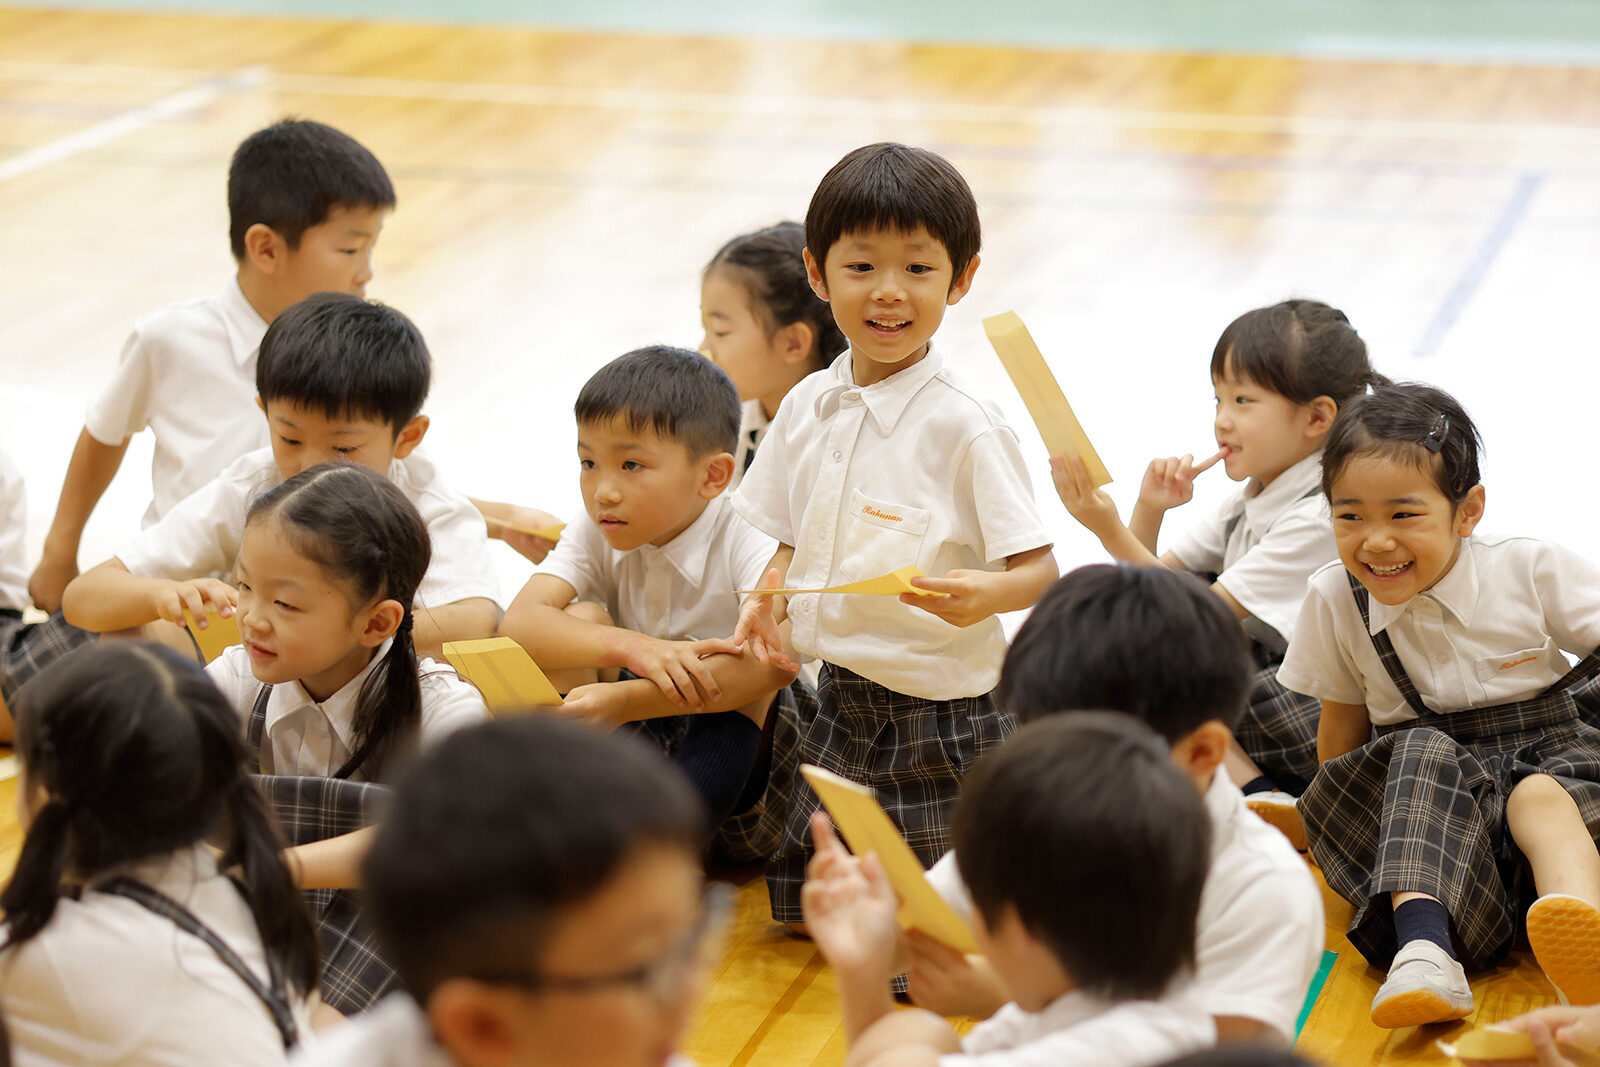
x: 1453, y: 752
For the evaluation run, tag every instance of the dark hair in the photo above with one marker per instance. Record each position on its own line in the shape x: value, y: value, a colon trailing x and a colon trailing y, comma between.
x: 890, y: 186
x: 773, y: 271
x: 499, y: 827
x: 673, y: 392
x: 290, y: 175
x: 359, y: 527
x: 1299, y: 349
x: 345, y: 357
x: 1410, y: 423
x: 1149, y: 641
x: 140, y: 755
x: 1086, y: 827
x: 1240, y: 1055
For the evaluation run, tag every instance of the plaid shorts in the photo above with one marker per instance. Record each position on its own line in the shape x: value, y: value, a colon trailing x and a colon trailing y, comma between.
x: 754, y: 833
x: 913, y: 753
x: 27, y: 648
x: 1279, y: 732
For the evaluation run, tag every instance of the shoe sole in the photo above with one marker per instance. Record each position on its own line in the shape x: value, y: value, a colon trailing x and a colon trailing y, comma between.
x: 1565, y: 936
x: 1416, y: 1008
x: 1284, y: 817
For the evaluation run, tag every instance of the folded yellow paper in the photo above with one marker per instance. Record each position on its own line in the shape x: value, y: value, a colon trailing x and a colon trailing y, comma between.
x: 1488, y: 1043
x: 892, y: 584
x: 866, y: 828
x: 1059, y: 427
x: 549, y: 533
x: 503, y: 672
x: 219, y: 635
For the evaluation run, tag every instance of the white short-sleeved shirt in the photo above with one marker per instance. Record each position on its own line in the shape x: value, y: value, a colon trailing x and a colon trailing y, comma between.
x: 395, y: 1033
x: 13, y: 538
x: 1079, y: 1028
x: 109, y: 982
x: 1260, y: 933
x: 753, y: 423
x: 201, y: 536
x: 680, y: 591
x: 1264, y: 547
x: 188, y: 372
x: 865, y: 480
x: 1490, y: 631
x: 303, y: 737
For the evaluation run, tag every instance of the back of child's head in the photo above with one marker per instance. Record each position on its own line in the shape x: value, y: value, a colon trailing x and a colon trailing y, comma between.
x: 362, y: 532
x: 345, y: 357
x: 672, y: 392
x: 136, y: 755
x: 1240, y: 1055
x: 1408, y: 423
x: 1084, y: 825
x: 1299, y: 349
x: 1149, y: 641
x: 895, y: 187
x: 499, y: 829
x: 290, y: 175
x: 770, y: 266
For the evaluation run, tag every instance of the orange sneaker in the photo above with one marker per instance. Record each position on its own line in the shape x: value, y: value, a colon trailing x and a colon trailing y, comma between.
x: 1564, y: 933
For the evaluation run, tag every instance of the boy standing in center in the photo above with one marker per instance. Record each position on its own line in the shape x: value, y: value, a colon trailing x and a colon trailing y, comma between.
x: 885, y: 459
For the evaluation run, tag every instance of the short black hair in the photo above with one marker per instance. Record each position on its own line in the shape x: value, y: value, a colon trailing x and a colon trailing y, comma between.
x: 1084, y: 825
x: 1403, y: 422
x: 1299, y: 349
x: 889, y: 186
x: 771, y: 266
x: 1149, y: 641
x: 345, y: 357
x: 290, y: 175
x: 499, y: 828
x: 673, y: 392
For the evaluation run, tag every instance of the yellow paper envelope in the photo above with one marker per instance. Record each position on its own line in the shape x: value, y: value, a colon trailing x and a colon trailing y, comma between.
x: 866, y: 828
x: 1059, y: 427
x: 503, y: 672
x: 218, y: 636
x: 549, y: 533
x: 892, y: 584
x: 1488, y: 1043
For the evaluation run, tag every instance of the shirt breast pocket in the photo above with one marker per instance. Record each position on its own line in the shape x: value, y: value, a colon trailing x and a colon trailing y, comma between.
x: 877, y: 537
x: 1513, y: 672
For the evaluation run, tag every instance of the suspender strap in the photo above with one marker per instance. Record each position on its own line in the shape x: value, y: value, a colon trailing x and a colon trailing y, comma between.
x: 257, y: 728
x: 1233, y: 523
x: 275, y: 997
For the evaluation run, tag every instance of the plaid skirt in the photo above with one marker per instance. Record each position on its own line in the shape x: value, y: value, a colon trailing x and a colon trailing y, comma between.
x: 27, y: 648
x: 1279, y: 732
x: 753, y: 832
x: 913, y: 753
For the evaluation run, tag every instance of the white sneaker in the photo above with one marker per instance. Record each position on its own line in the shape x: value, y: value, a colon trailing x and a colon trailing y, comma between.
x: 1282, y: 811
x: 1564, y: 933
x: 1424, y: 986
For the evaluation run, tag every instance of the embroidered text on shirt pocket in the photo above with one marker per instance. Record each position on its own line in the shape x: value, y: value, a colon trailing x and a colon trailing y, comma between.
x: 1530, y: 662
x: 876, y: 537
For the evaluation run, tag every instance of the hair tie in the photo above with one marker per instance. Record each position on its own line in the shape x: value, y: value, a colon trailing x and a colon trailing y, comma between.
x: 1434, y: 442
x: 408, y: 622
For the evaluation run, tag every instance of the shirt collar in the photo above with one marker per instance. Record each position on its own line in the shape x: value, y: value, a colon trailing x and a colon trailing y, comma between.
x: 244, y: 324
x: 690, y: 552
x: 174, y: 873
x: 1456, y: 592
x: 1287, y: 489
x: 339, y: 709
x: 887, y: 400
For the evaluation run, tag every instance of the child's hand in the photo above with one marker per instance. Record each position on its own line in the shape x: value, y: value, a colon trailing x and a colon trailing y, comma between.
x: 49, y: 580
x: 195, y: 595
x: 969, y: 596
x: 1575, y: 1029
x: 758, y: 625
x: 1090, y: 505
x: 677, y: 667
x: 850, y: 909
x: 531, y: 547
x: 596, y: 704
x: 1169, y: 483
x: 948, y: 981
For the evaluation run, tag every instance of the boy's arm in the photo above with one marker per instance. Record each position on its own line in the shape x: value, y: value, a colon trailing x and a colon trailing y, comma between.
x: 852, y: 915
x: 913, y: 1038
x: 334, y: 863
x: 762, y: 614
x: 972, y: 596
x: 738, y: 679
x: 108, y: 597
x: 1342, y: 728
x: 464, y: 620
x: 89, y: 472
x: 533, y: 548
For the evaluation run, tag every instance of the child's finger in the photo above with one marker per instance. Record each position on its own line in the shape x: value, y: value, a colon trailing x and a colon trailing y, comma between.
x: 946, y: 586
x: 823, y: 837
x: 700, y: 675
x: 664, y: 682
x: 1207, y: 464
x: 684, y: 684
x: 195, y: 604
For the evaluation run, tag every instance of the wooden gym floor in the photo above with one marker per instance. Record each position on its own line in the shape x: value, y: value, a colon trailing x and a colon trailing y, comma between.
x: 559, y: 193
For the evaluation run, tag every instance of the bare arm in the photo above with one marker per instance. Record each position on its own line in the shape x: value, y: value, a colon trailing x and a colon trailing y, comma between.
x: 740, y: 680
x: 972, y: 596
x: 498, y: 513
x: 90, y: 470
x: 331, y: 864
x: 463, y: 620
x: 108, y: 597
x: 904, y: 1039
x: 1342, y: 728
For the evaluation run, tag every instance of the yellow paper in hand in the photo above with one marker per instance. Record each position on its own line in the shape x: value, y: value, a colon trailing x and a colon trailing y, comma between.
x: 892, y: 584
x: 503, y: 672
x: 219, y: 635
x: 1059, y: 427
x: 1490, y: 1044
x: 549, y: 533
x: 866, y: 828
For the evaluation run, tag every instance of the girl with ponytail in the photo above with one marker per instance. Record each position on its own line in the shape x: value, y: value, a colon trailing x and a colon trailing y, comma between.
x: 128, y: 939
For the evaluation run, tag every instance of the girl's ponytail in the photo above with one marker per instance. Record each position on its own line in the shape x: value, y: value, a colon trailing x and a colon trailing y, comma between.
x: 29, y: 899
x: 389, y: 712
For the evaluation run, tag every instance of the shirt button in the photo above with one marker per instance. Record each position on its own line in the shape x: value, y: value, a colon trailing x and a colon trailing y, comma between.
x: 852, y: 396
x: 837, y: 454
x: 1444, y: 660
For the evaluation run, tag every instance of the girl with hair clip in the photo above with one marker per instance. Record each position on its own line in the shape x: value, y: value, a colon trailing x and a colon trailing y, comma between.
x: 1455, y: 760
x: 128, y: 939
x: 1280, y: 375
x: 328, y: 683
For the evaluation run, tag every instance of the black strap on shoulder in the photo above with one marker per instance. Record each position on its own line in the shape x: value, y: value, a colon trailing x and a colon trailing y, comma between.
x: 1233, y: 523
x: 258, y: 724
x: 275, y: 996
x: 1386, y: 652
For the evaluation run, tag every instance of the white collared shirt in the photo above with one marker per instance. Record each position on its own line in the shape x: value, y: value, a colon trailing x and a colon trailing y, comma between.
x: 13, y: 537
x: 305, y: 737
x: 680, y: 591
x: 865, y: 480
x: 188, y: 372
x: 1283, y: 534
x: 1259, y: 935
x: 753, y: 423
x: 201, y: 536
x: 109, y: 982
x: 1491, y: 630
x: 1079, y: 1028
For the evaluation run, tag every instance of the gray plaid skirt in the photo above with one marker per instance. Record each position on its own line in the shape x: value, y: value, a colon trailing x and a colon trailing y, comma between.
x: 913, y: 753
x: 27, y: 648
x: 1279, y: 732
x: 752, y: 835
